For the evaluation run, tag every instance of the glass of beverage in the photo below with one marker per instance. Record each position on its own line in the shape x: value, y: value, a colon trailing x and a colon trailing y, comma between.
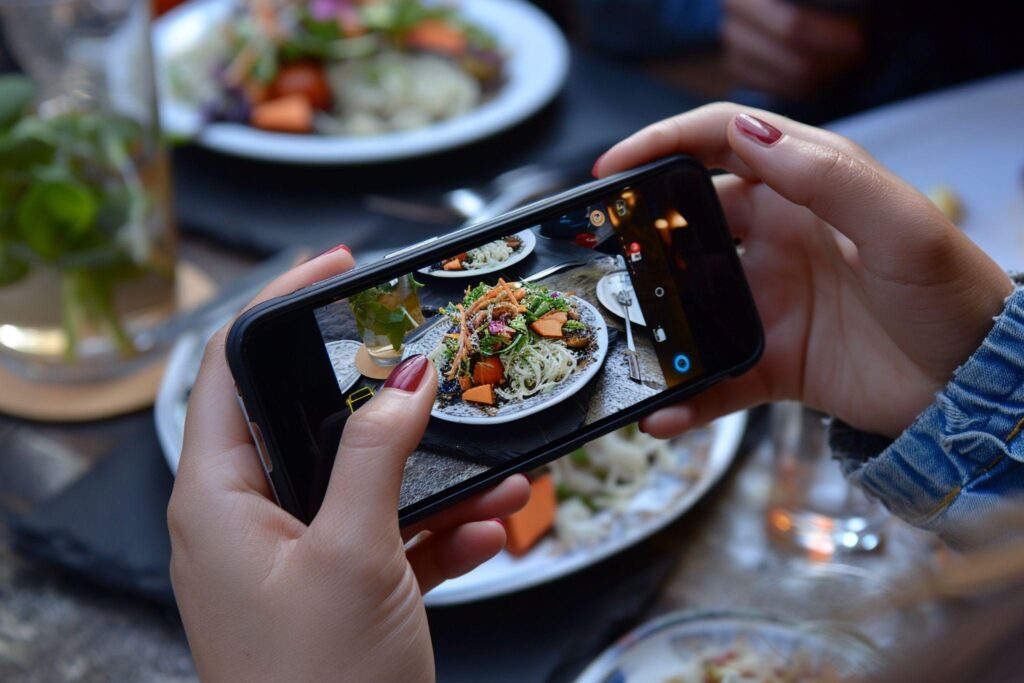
x: 384, y: 315
x: 87, y: 246
x: 812, y: 507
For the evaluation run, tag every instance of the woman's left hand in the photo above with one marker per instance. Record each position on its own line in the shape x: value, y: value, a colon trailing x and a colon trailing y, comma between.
x: 265, y: 597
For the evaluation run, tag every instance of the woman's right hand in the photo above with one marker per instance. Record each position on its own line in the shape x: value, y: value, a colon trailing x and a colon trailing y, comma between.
x: 869, y: 296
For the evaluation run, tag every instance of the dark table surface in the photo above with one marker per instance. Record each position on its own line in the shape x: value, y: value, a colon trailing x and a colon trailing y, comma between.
x: 57, y: 625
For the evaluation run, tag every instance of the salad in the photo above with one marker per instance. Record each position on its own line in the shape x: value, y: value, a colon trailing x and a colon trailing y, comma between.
x: 339, y: 67
x: 509, y: 341
x: 483, y: 256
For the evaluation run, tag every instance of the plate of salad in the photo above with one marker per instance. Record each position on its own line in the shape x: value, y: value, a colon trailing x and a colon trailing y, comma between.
x: 487, y: 258
x: 512, y: 349
x: 347, y: 81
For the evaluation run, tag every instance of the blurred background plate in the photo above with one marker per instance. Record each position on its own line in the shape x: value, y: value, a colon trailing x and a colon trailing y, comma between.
x: 529, y: 244
x: 677, y: 646
x: 536, y: 69
x: 968, y: 139
x: 548, y: 560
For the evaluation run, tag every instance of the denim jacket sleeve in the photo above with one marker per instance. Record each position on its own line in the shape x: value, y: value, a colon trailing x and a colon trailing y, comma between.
x: 963, y: 456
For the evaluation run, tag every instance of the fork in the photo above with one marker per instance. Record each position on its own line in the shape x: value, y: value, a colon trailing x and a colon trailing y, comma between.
x: 625, y: 299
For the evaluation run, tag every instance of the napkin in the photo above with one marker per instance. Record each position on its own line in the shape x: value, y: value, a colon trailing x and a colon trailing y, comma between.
x: 110, y: 525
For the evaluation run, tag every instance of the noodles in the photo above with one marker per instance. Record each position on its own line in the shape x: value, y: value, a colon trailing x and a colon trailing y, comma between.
x: 535, y: 369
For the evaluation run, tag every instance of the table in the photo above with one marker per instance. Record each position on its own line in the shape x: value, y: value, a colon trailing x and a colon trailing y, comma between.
x: 54, y: 627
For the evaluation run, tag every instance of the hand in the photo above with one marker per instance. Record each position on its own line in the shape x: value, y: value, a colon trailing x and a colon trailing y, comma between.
x: 788, y: 50
x: 870, y: 298
x: 266, y: 598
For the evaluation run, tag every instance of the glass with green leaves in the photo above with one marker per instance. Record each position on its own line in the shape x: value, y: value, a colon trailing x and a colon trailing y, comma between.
x: 385, y: 314
x: 87, y: 248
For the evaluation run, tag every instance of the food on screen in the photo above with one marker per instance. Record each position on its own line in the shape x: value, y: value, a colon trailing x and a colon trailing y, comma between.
x: 484, y: 256
x: 509, y: 341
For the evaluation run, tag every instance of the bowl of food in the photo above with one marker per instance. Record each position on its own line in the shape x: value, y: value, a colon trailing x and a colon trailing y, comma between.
x: 734, y: 647
x: 340, y: 81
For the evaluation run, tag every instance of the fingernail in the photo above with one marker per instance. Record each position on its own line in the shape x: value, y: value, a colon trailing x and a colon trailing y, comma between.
x: 408, y: 374
x: 339, y: 247
x: 498, y: 520
x: 593, y: 170
x: 758, y: 130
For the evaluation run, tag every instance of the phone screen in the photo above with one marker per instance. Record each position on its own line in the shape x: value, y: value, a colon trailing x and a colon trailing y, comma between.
x: 540, y: 332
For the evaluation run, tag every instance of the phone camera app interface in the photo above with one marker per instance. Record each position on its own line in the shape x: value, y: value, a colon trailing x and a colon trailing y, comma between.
x: 532, y: 335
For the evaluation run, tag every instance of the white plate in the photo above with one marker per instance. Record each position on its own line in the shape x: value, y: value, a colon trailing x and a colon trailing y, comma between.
x: 968, y: 138
x: 537, y: 63
x: 527, y: 247
x: 548, y: 561
x: 607, y: 287
x: 465, y: 413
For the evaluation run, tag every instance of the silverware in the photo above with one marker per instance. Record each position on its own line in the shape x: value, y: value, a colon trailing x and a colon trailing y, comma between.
x: 625, y: 299
x: 468, y: 205
x: 541, y: 274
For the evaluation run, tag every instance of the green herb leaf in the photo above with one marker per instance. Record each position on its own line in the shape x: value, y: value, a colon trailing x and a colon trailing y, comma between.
x: 16, y: 93
x: 52, y: 214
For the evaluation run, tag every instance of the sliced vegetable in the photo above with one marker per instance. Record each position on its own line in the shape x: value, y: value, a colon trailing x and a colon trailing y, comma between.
x: 547, y: 327
x: 292, y: 114
x: 488, y: 370
x: 305, y: 79
x: 437, y: 35
x: 526, y: 527
x: 481, y: 394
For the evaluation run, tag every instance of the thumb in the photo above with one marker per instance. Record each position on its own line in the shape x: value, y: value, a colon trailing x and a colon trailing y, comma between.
x: 887, y: 219
x: 365, y: 483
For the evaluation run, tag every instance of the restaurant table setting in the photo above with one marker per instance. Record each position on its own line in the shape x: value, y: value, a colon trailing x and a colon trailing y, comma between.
x: 84, y: 504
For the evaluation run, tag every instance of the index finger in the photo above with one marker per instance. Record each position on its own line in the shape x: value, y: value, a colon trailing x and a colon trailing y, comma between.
x: 703, y: 133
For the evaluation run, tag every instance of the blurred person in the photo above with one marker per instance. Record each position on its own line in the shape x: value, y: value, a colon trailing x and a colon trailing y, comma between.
x: 817, y: 59
x: 876, y: 309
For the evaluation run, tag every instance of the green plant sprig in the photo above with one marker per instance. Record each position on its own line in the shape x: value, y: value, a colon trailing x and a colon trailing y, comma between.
x: 69, y: 199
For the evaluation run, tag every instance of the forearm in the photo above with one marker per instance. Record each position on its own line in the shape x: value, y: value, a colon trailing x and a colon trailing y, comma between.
x: 962, y: 458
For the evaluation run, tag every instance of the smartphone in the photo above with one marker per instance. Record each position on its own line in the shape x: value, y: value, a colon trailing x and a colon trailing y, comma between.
x: 548, y: 326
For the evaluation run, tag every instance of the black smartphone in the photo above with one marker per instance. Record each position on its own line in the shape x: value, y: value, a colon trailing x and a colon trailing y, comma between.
x: 548, y: 326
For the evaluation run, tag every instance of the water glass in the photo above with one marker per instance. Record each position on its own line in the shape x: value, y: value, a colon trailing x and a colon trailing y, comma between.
x: 813, y: 509
x: 87, y: 246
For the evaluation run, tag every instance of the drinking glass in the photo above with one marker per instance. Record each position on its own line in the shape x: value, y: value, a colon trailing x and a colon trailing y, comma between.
x: 812, y: 507
x: 384, y: 315
x: 87, y: 244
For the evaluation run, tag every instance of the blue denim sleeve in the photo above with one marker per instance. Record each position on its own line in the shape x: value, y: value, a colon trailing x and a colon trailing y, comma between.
x: 962, y: 458
x: 648, y: 28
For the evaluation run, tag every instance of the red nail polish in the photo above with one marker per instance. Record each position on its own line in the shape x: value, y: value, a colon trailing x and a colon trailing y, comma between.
x: 340, y: 247
x: 408, y: 374
x: 593, y: 170
x: 757, y: 130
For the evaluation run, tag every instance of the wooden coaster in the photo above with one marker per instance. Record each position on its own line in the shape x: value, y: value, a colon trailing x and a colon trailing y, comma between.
x: 367, y: 368
x: 78, y: 402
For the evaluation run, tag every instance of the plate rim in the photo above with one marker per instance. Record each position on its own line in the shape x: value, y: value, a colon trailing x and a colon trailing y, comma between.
x: 497, y: 267
x: 396, y: 145
x: 586, y: 376
x: 724, y: 450
x: 606, y: 279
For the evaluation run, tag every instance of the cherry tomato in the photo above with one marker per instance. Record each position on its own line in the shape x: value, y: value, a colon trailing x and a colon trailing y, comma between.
x: 302, y: 78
